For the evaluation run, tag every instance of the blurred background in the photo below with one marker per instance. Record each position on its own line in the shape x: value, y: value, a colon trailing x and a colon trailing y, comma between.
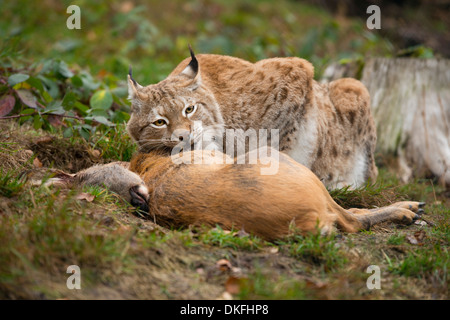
x: 153, y: 35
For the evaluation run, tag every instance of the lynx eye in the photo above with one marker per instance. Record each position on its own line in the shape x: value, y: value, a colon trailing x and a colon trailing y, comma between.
x: 159, y: 123
x: 189, y: 110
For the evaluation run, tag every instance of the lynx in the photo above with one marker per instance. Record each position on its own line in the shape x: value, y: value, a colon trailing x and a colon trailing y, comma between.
x: 326, y: 127
x: 235, y: 196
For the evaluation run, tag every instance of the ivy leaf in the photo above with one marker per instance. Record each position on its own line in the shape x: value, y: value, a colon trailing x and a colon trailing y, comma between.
x: 37, y: 122
x: 81, y: 107
x: 68, y: 133
x: 54, y: 107
x: 6, y: 105
x: 17, y: 78
x: 84, y: 131
x: 77, y: 81
x: 88, y: 81
x: 36, y: 83
x: 101, y: 100
x: 102, y: 120
x: 63, y: 70
x: 50, y: 85
x: 69, y: 100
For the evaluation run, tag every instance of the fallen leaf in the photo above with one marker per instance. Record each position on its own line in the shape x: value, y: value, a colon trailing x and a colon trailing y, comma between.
x: 233, y: 285
x: 95, y: 153
x: 412, y: 240
x: 420, y: 235
x: 85, y: 196
x: 37, y: 163
x: 272, y: 250
x: 6, y: 105
x: 28, y: 152
x: 417, y: 238
x: 224, y: 265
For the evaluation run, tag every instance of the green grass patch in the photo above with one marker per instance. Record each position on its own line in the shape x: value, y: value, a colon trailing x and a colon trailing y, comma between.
x: 431, y: 262
x: 322, y: 251
x: 237, y: 240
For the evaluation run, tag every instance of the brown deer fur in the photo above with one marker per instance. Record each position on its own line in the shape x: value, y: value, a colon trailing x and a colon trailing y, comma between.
x: 238, y: 196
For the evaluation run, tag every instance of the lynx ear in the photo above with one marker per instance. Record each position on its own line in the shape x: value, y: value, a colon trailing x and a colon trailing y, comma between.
x: 193, y: 71
x: 133, y: 86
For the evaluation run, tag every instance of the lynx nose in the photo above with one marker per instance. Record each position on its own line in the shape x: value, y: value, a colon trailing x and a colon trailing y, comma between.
x: 182, y: 135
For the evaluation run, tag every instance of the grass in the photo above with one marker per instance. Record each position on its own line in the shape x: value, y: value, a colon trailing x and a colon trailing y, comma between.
x: 321, y: 251
x: 10, y: 183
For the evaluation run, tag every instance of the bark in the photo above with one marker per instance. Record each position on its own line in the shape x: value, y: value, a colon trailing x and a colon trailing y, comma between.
x: 410, y: 101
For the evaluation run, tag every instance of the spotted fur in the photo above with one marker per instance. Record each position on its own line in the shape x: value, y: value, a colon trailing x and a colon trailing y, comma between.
x: 326, y: 127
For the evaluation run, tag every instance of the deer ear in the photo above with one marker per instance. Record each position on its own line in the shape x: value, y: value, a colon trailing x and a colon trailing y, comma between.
x: 133, y: 86
x: 193, y: 70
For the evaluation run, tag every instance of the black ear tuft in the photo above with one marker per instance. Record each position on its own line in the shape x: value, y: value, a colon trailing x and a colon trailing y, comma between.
x: 130, y: 73
x: 194, y: 63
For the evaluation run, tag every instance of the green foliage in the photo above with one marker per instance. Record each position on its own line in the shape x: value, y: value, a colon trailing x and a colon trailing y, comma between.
x: 53, y: 95
x: 318, y: 249
x: 10, y: 183
x: 230, y: 239
x: 263, y: 285
x: 396, y: 239
x: 429, y: 262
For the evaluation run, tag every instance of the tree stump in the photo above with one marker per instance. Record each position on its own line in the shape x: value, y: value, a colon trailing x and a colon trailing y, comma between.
x: 410, y: 101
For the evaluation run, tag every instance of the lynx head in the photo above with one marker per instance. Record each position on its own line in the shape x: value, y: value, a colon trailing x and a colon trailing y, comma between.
x: 179, y: 109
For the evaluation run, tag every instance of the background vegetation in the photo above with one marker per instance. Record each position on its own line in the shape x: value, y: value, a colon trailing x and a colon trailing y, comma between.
x: 63, y: 103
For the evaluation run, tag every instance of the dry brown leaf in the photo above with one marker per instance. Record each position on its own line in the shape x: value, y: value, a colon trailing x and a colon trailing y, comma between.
x: 412, y: 240
x: 28, y: 152
x: 233, y: 285
x: 272, y: 250
x: 224, y: 265
x: 417, y: 238
x: 6, y: 105
x: 37, y: 163
x: 85, y: 196
x: 96, y: 153
x: 420, y: 235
